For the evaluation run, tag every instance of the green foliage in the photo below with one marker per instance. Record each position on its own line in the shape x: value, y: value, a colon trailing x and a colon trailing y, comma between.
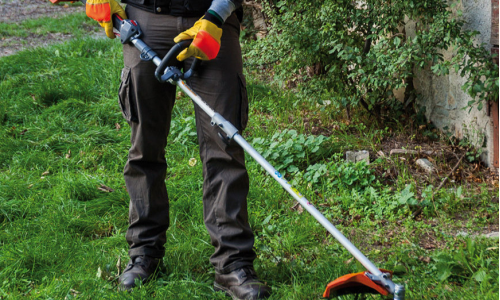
x: 183, y: 129
x: 363, y: 53
x: 469, y: 262
x: 407, y: 197
x: 61, y: 235
x: 473, y: 140
x: 337, y: 174
x: 76, y: 24
x: 350, y: 174
x: 290, y: 151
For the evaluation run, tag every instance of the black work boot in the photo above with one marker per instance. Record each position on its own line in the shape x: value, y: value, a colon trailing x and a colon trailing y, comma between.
x: 141, y: 267
x: 242, y: 284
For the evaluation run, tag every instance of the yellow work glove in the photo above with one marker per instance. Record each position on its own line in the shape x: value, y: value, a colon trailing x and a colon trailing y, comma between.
x: 102, y: 10
x: 206, y: 40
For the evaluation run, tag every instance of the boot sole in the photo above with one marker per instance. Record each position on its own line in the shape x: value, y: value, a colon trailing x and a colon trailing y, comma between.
x: 220, y: 288
x: 154, y: 276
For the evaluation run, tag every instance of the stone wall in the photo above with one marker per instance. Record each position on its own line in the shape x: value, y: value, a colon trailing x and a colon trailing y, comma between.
x: 443, y: 97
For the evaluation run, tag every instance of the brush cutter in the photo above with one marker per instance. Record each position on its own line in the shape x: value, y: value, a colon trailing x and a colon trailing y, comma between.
x: 373, y: 280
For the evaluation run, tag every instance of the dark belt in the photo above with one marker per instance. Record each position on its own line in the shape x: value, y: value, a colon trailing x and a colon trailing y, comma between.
x: 173, y: 8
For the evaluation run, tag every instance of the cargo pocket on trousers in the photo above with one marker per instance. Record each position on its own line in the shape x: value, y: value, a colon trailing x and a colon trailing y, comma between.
x: 244, y: 101
x: 127, y: 103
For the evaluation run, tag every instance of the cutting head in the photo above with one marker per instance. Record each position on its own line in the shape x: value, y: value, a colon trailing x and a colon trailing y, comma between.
x: 355, y: 283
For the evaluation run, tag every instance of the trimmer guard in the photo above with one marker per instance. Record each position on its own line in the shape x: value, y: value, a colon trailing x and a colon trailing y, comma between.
x: 355, y: 283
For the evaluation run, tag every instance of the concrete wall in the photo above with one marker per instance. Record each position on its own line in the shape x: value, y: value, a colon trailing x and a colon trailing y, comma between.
x: 442, y: 96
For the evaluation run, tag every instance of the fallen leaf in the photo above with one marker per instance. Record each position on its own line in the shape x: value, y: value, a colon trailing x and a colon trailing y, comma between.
x: 119, y: 265
x: 425, y: 259
x: 117, y: 126
x: 428, y: 245
x: 74, y: 292
x: 318, y: 194
x: 298, y: 208
x: 192, y: 162
x: 105, y: 189
x: 69, y: 154
x: 347, y: 262
x: 45, y: 173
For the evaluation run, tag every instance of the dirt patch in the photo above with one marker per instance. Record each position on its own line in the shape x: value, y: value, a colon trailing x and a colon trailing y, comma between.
x: 11, y: 45
x: 13, y: 11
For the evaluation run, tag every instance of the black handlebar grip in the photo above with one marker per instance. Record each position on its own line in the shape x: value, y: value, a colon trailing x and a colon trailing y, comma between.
x: 171, y: 57
x: 117, y: 22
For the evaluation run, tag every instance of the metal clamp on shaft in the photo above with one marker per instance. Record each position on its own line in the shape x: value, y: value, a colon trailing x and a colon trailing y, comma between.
x: 129, y: 30
x: 399, y: 292
x: 171, y: 74
x: 225, y: 125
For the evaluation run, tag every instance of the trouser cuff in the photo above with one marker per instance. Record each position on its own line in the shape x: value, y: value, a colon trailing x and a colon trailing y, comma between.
x: 146, y: 251
x: 234, y: 266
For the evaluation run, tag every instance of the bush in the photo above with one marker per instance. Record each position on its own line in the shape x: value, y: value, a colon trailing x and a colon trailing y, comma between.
x: 358, y: 52
x: 290, y: 151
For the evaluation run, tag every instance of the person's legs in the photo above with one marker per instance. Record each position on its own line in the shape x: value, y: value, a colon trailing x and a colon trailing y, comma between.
x: 147, y: 105
x: 221, y: 84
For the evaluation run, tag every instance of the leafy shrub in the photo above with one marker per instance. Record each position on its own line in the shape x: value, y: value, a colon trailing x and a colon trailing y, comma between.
x: 469, y: 262
x: 338, y: 174
x: 289, y: 151
x: 350, y: 174
x: 183, y: 130
x: 358, y: 52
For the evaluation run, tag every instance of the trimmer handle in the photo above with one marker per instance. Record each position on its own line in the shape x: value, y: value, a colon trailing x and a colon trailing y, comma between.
x: 171, y: 60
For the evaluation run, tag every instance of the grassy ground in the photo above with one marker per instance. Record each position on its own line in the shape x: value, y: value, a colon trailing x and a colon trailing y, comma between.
x: 64, y: 206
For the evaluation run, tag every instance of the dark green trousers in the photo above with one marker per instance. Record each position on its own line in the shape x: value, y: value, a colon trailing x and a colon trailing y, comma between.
x: 147, y: 106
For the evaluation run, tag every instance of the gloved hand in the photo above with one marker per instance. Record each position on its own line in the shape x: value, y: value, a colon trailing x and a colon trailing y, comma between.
x: 102, y: 10
x: 206, y: 40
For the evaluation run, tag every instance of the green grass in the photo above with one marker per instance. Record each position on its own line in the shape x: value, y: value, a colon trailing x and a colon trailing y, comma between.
x: 61, y: 237
x: 76, y: 24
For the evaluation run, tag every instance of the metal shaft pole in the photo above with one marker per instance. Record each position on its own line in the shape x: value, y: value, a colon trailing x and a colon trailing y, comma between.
x: 232, y: 133
x: 295, y: 193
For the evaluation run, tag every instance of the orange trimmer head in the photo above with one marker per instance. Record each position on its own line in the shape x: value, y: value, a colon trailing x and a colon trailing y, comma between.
x: 356, y: 283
